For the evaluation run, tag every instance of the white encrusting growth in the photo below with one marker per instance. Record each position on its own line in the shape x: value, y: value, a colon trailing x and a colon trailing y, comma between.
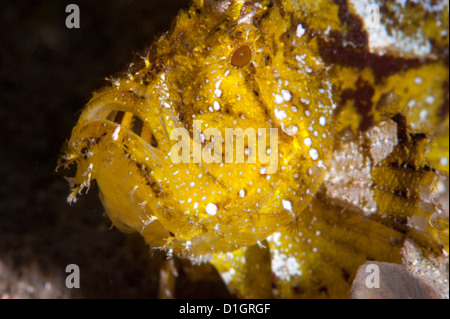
x: 286, y: 95
x: 280, y: 114
x: 291, y: 130
x: 383, y: 39
x: 283, y: 266
x: 279, y: 99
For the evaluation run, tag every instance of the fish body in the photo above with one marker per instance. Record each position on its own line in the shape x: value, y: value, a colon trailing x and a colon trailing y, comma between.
x: 285, y: 142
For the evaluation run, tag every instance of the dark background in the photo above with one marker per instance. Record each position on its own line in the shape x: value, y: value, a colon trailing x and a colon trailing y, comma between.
x: 47, y: 74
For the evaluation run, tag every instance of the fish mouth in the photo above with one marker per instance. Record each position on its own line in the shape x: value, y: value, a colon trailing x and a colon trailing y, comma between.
x: 121, y: 117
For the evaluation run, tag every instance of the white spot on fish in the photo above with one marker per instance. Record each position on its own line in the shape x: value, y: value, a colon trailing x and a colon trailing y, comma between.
x: 115, y: 134
x: 300, y: 31
x: 286, y: 95
x: 314, y: 154
x: 211, y: 209
x: 322, y: 120
x: 308, y: 141
x: 287, y: 205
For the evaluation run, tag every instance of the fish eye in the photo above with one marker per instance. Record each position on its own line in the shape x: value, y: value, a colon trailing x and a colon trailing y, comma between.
x: 241, y: 56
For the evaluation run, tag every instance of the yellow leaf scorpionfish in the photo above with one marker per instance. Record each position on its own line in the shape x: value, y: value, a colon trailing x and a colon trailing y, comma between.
x: 285, y: 142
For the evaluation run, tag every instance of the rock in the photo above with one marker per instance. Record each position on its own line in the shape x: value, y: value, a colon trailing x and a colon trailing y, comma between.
x: 376, y: 280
